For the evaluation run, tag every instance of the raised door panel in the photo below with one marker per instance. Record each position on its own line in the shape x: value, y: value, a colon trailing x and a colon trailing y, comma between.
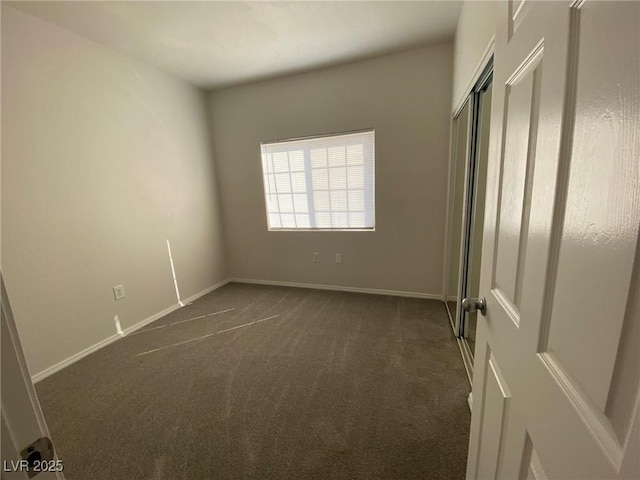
x: 596, y: 234
x: 589, y: 323
x: 531, y: 467
x: 494, y: 417
x: 520, y: 133
x: 563, y: 212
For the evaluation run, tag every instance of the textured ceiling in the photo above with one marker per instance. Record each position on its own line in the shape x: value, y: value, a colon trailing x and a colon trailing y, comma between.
x: 215, y: 44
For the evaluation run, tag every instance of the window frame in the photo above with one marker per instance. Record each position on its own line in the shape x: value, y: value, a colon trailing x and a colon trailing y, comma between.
x: 367, y: 189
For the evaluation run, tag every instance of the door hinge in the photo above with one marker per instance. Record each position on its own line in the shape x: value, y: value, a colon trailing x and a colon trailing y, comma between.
x: 38, y: 454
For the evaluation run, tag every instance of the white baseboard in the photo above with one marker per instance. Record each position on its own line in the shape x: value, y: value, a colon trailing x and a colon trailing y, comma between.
x: 103, y: 343
x: 192, y: 298
x: 73, y: 358
x: 375, y: 291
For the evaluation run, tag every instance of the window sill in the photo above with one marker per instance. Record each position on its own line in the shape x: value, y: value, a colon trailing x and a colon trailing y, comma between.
x: 321, y: 229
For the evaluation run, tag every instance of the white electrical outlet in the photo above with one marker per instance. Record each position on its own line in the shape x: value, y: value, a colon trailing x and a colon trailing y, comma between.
x: 316, y: 257
x: 118, y: 292
x: 338, y: 258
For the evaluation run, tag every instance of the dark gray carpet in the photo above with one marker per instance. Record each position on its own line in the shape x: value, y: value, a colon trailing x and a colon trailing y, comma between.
x: 337, y: 386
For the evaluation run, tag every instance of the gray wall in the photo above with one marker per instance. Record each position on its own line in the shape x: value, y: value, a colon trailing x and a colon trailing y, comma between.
x: 103, y: 160
x: 476, y: 27
x: 474, y: 33
x: 406, y: 98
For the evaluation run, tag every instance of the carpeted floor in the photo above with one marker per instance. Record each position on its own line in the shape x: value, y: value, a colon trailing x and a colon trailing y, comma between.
x: 329, y: 385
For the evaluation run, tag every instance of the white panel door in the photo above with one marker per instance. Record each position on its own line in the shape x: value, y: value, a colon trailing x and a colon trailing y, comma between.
x: 557, y: 371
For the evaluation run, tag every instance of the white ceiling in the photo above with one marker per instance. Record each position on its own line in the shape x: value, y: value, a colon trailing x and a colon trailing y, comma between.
x: 213, y: 44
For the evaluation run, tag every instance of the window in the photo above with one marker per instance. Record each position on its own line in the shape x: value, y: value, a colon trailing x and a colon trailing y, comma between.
x: 320, y: 183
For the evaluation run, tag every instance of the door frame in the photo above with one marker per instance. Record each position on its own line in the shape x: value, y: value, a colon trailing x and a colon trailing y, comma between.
x: 453, y: 316
x: 469, y: 212
x: 478, y: 79
x: 486, y: 58
x: 21, y: 419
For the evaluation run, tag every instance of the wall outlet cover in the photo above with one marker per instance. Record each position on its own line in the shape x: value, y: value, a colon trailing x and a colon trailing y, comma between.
x: 118, y: 292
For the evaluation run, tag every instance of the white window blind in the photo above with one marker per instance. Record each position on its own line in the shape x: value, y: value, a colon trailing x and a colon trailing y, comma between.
x: 324, y: 182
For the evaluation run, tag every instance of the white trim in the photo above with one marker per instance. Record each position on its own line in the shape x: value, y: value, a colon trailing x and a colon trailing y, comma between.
x: 453, y: 140
x: 466, y: 360
x: 486, y: 55
x: 192, y: 298
x: 103, y: 343
x: 374, y: 291
x: 371, y: 229
x: 475, y: 77
x: 320, y: 135
x: 75, y: 357
x: 450, y: 315
x: 470, y: 401
x: 34, y: 410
